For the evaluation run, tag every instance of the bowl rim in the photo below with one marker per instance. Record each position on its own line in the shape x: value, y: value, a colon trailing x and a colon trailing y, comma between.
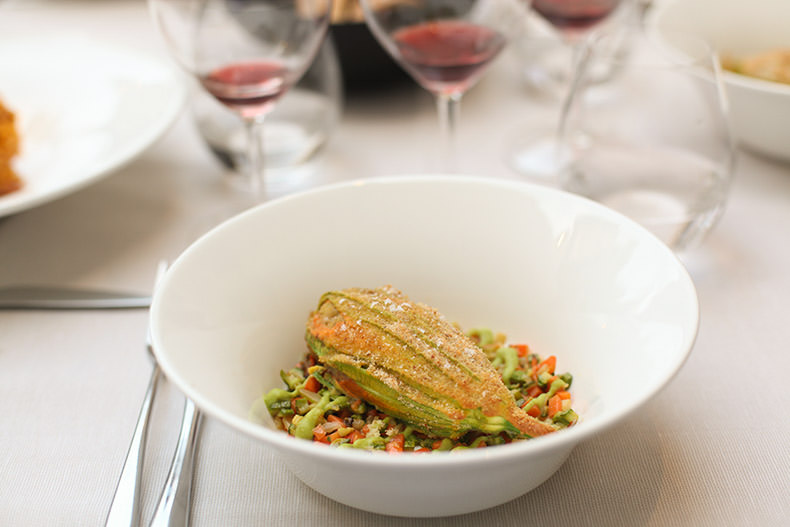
x: 755, y: 83
x: 562, y: 439
x: 659, y: 12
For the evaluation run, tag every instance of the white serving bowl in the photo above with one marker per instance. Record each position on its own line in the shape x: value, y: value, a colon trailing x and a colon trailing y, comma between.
x: 760, y: 109
x: 561, y: 273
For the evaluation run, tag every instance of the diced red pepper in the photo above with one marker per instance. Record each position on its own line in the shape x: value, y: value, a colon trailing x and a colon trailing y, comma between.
x: 319, y: 434
x: 534, y: 390
x: 354, y: 435
x: 555, y: 405
x: 549, y: 363
x: 521, y: 349
x: 395, y: 444
x: 312, y: 384
x: 533, y: 410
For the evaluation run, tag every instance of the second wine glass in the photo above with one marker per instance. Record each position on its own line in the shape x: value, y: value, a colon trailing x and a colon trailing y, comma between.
x: 246, y: 53
x: 535, y: 151
x: 446, y: 46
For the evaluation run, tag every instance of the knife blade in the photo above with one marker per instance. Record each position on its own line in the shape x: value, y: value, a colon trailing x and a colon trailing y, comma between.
x: 54, y: 297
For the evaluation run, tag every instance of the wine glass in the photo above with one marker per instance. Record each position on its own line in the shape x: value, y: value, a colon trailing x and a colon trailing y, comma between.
x: 654, y: 141
x: 535, y: 153
x: 573, y: 18
x: 446, y: 46
x: 246, y: 53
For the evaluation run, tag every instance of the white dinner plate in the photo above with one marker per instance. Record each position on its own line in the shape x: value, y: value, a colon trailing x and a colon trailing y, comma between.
x: 83, y: 109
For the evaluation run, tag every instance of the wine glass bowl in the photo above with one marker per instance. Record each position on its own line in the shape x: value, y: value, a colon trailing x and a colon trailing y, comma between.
x: 653, y: 142
x: 245, y: 53
x: 445, y: 45
x: 574, y: 17
x: 444, y: 56
x: 296, y: 133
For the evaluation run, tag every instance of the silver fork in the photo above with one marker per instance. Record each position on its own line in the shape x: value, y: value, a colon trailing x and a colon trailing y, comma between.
x: 125, y: 507
x: 175, y: 501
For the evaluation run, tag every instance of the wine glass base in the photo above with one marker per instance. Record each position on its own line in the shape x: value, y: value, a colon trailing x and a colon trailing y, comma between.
x: 277, y: 181
x: 540, y: 160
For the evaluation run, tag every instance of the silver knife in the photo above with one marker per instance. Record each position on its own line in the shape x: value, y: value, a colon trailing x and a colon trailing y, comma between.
x: 46, y: 297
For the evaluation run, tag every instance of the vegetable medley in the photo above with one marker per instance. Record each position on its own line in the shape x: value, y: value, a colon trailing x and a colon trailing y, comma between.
x: 313, y: 408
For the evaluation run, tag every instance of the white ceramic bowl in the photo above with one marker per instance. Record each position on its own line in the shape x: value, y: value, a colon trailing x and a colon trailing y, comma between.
x: 561, y: 273
x: 760, y: 109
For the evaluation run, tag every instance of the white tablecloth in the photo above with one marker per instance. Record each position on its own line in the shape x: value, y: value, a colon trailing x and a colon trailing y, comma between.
x: 711, y: 449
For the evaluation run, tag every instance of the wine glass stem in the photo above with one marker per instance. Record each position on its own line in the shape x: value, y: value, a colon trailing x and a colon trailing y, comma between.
x: 449, y: 106
x: 255, y: 156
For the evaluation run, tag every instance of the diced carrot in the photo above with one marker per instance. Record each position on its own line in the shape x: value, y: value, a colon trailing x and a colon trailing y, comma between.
x: 365, y: 429
x: 436, y: 444
x: 534, y: 390
x: 534, y: 411
x: 332, y: 418
x: 521, y: 349
x: 353, y: 436
x: 549, y: 363
x: 395, y: 444
x: 555, y: 405
x: 312, y: 385
x: 319, y: 434
x: 563, y: 394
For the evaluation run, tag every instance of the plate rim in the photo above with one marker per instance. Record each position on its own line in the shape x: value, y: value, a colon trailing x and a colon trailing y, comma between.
x: 171, y: 108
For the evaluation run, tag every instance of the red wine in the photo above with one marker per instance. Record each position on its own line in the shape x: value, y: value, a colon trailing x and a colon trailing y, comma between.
x: 447, y: 56
x: 250, y: 88
x: 574, y: 14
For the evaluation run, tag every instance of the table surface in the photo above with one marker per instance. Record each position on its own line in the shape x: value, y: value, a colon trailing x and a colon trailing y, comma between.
x: 710, y: 449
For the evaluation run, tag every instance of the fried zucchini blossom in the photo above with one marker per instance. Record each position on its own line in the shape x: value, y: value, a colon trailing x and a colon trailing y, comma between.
x: 407, y: 360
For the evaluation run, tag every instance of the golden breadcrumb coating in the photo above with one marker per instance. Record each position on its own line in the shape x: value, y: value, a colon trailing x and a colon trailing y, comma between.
x: 9, y: 147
